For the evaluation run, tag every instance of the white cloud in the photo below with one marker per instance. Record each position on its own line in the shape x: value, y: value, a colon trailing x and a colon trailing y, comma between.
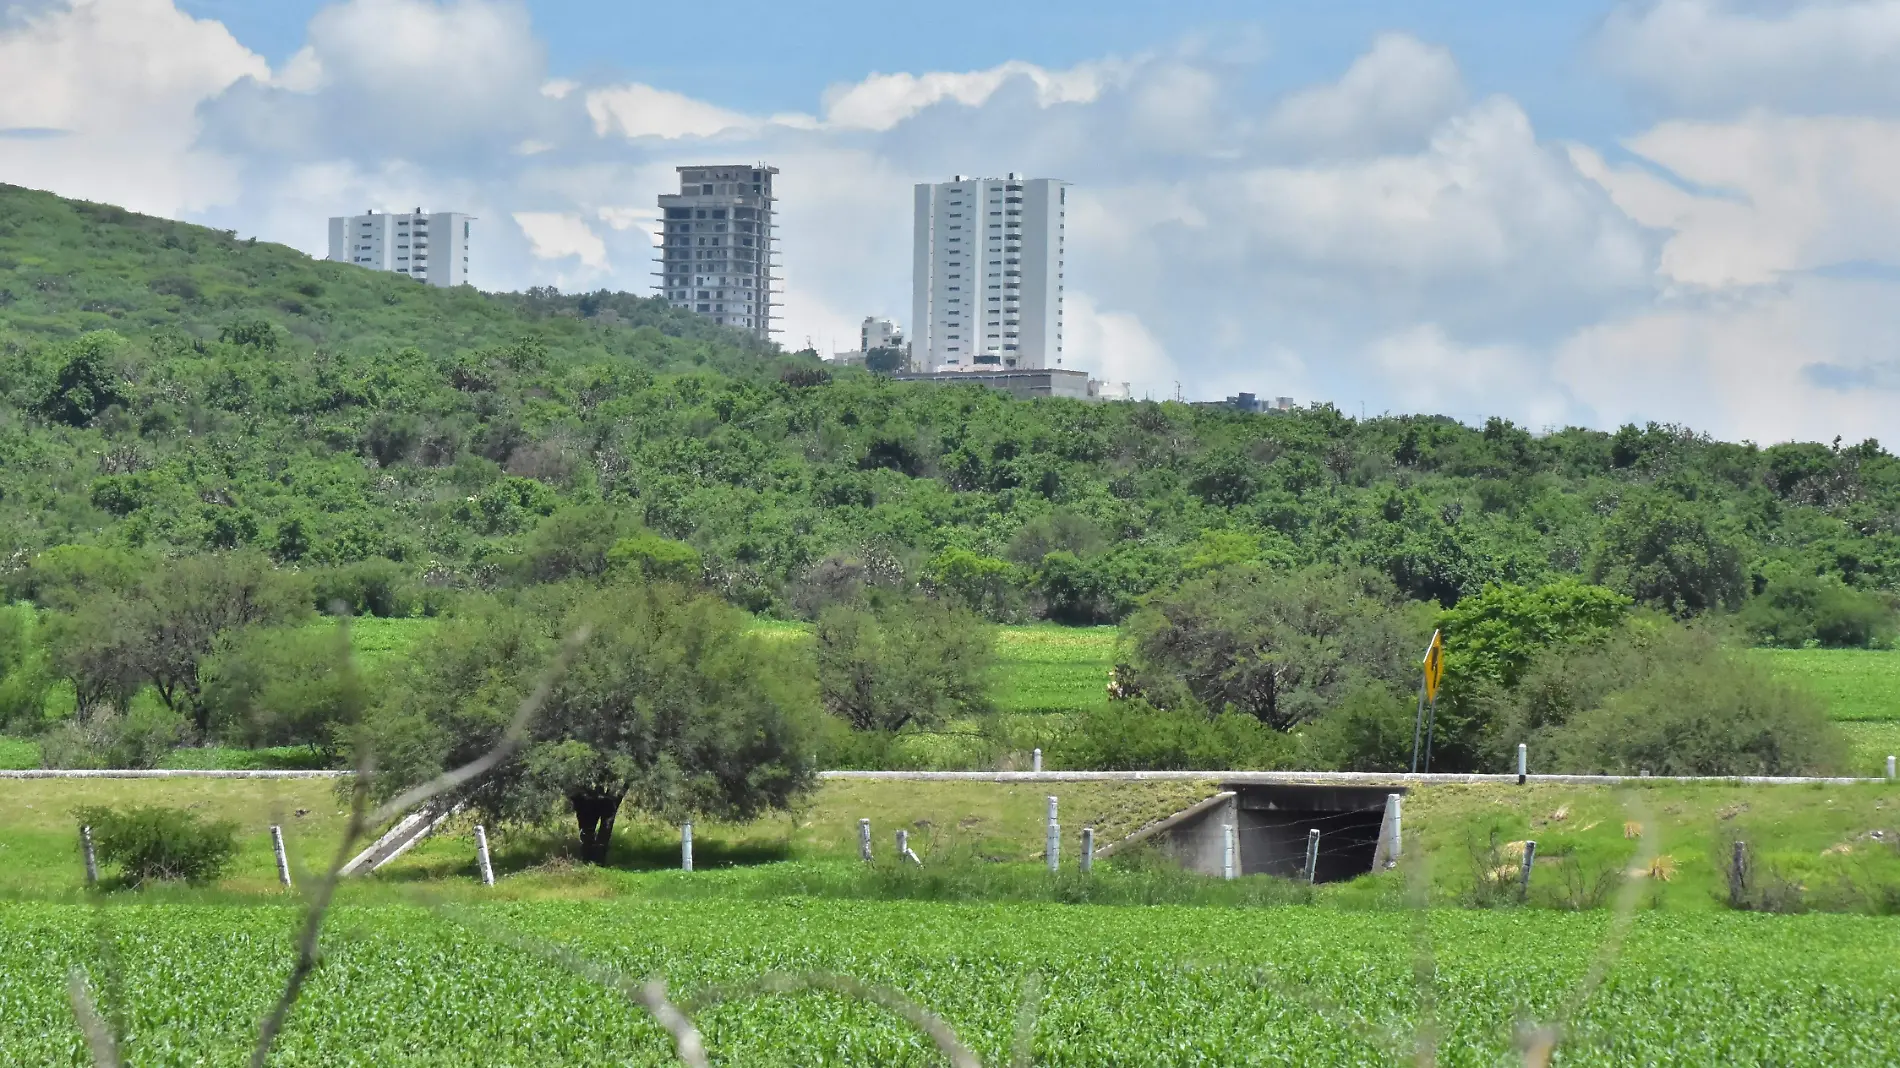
x: 1759, y: 197
x: 881, y: 101
x: 1426, y: 370
x: 1731, y: 54
x: 1393, y: 97
x: 557, y: 235
x: 111, y: 86
x: 1114, y: 346
x: 635, y: 110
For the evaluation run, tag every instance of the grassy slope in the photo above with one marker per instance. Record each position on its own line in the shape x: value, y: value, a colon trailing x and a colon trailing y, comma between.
x: 1817, y: 835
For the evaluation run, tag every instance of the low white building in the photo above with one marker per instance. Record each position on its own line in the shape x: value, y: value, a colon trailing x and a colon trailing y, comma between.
x: 876, y: 333
x: 429, y: 247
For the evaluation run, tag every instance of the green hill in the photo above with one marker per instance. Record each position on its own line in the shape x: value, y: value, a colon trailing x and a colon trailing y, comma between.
x: 174, y: 387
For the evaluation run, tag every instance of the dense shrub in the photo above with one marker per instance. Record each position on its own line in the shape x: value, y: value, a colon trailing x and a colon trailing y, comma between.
x: 1799, y: 610
x: 104, y: 737
x: 273, y: 686
x: 25, y: 674
x: 1136, y: 736
x: 154, y: 842
x: 1665, y: 698
x: 375, y: 587
x: 903, y: 662
x: 1282, y: 648
x: 1371, y: 729
x: 648, y: 555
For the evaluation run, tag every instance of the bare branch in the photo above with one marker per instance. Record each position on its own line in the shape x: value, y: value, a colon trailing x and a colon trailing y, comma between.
x: 361, y: 818
x: 686, y: 1038
x: 1418, y: 885
x: 105, y: 1051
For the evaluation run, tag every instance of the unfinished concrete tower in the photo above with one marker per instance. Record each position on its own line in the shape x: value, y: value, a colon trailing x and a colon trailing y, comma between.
x: 716, y: 258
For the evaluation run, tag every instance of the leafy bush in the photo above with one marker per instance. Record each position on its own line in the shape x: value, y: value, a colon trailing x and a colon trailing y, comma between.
x: 275, y: 686
x: 25, y: 674
x: 104, y: 737
x: 903, y: 661
x: 154, y: 842
x: 1371, y: 729
x: 1664, y: 552
x: 1668, y: 699
x: 1136, y: 736
x: 656, y: 559
x: 1281, y: 648
x: 374, y: 587
x: 1800, y: 610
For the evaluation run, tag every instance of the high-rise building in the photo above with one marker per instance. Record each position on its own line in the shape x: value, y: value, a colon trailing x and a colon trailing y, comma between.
x: 716, y: 256
x: 429, y: 247
x: 986, y: 281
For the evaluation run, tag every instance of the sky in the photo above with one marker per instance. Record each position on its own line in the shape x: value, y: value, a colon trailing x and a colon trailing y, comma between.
x: 1562, y: 212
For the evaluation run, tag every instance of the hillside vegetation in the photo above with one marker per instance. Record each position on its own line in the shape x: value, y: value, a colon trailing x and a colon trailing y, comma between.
x: 168, y: 385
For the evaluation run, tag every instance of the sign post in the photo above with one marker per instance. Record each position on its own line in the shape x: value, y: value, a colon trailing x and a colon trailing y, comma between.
x: 1434, y: 670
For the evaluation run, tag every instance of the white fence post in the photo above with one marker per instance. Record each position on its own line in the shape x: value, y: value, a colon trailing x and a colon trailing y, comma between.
x: 1523, y: 762
x: 1052, y: 839
x: 903, y: 849
x: 1227, y: 852
x: 1312, y: 855
x: 283, y: 862
x: 1524, y: 878
x: 1035, y: 760
x: 1088, y: 850
x: 481, y: 856
x: 864, y: 840
x: 92, y: 860
x: 1890, y: 769
x: 1386, y: 853
x: 686, y: 846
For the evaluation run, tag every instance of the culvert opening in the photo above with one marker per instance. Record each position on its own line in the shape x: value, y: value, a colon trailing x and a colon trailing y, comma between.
x: 1274, y: 823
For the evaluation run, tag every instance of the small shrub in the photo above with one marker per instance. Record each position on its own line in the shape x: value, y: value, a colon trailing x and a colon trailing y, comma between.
x: 155, y: 842
x: 1136, y: 736
x: 374, y: 587
x: 106, y: 738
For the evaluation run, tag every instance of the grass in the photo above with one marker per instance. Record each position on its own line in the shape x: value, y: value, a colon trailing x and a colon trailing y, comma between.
x: 1134, y: 986
x: 18, y: 754
x: 1858, y: 685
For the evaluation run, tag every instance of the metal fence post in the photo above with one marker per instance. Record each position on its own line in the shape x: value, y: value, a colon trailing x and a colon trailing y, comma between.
x: 283, y: 861
x: 1890, y: 769
x: 1052, y: 839
x: 1312, y: 855
x: 1523, y: 762
x: 481, y: 856
x: 1035, y: 760
x: 686, y: 846
x: 1088, y: 850
x: 1738, y: 876
x: 1228, y: 850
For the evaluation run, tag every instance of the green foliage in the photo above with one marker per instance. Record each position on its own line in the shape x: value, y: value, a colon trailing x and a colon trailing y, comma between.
x: 375, y: 587
x: 1796, y: 611
x: 1133, y: 736
x: 671, y: 704
x: 984, y: 584
x: 1664, y: 698
x: 655, y: 558
x: 1370, y: 729
x: 903, y: 662
x: 25, y: 673
x: 1281, y: 648
x: 884, y: 360
x: 1664, y: 552
x: 140, y: 737
x: 279, y: 686
x: 573, y: 542
x: 151, y: 842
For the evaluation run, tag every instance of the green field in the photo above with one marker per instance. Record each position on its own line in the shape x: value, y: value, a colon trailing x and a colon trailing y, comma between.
x: 1151, y: 986
x: 1859, y: 685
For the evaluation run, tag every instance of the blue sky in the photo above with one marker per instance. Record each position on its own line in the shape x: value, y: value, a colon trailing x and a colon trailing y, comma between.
x: 1562, y: 212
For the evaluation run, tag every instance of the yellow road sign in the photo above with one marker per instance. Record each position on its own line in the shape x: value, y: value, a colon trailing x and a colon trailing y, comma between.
x: 1434, y: 665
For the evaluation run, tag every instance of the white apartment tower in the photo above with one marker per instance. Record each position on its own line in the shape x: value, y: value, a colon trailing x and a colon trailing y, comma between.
x: 429, y: 247
x: 986, y: 281
x: 716, y: 253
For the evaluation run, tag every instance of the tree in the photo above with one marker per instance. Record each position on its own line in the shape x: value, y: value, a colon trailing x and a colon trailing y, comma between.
x: 654, y: 558
x: 573, y: 542
x: 903, y: 661
x: 1795, y: 610
x: 672, y: 704
x: 1662, y: 551
x: 87, y: 383
x: 284, y: 686
x: 1280, y: 647
x: 25, y: 675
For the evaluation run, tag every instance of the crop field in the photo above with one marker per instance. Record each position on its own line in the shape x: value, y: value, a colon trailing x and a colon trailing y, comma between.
x: 1151, y: 986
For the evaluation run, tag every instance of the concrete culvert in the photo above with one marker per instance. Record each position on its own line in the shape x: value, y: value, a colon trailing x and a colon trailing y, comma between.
x: 1273, y: 824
